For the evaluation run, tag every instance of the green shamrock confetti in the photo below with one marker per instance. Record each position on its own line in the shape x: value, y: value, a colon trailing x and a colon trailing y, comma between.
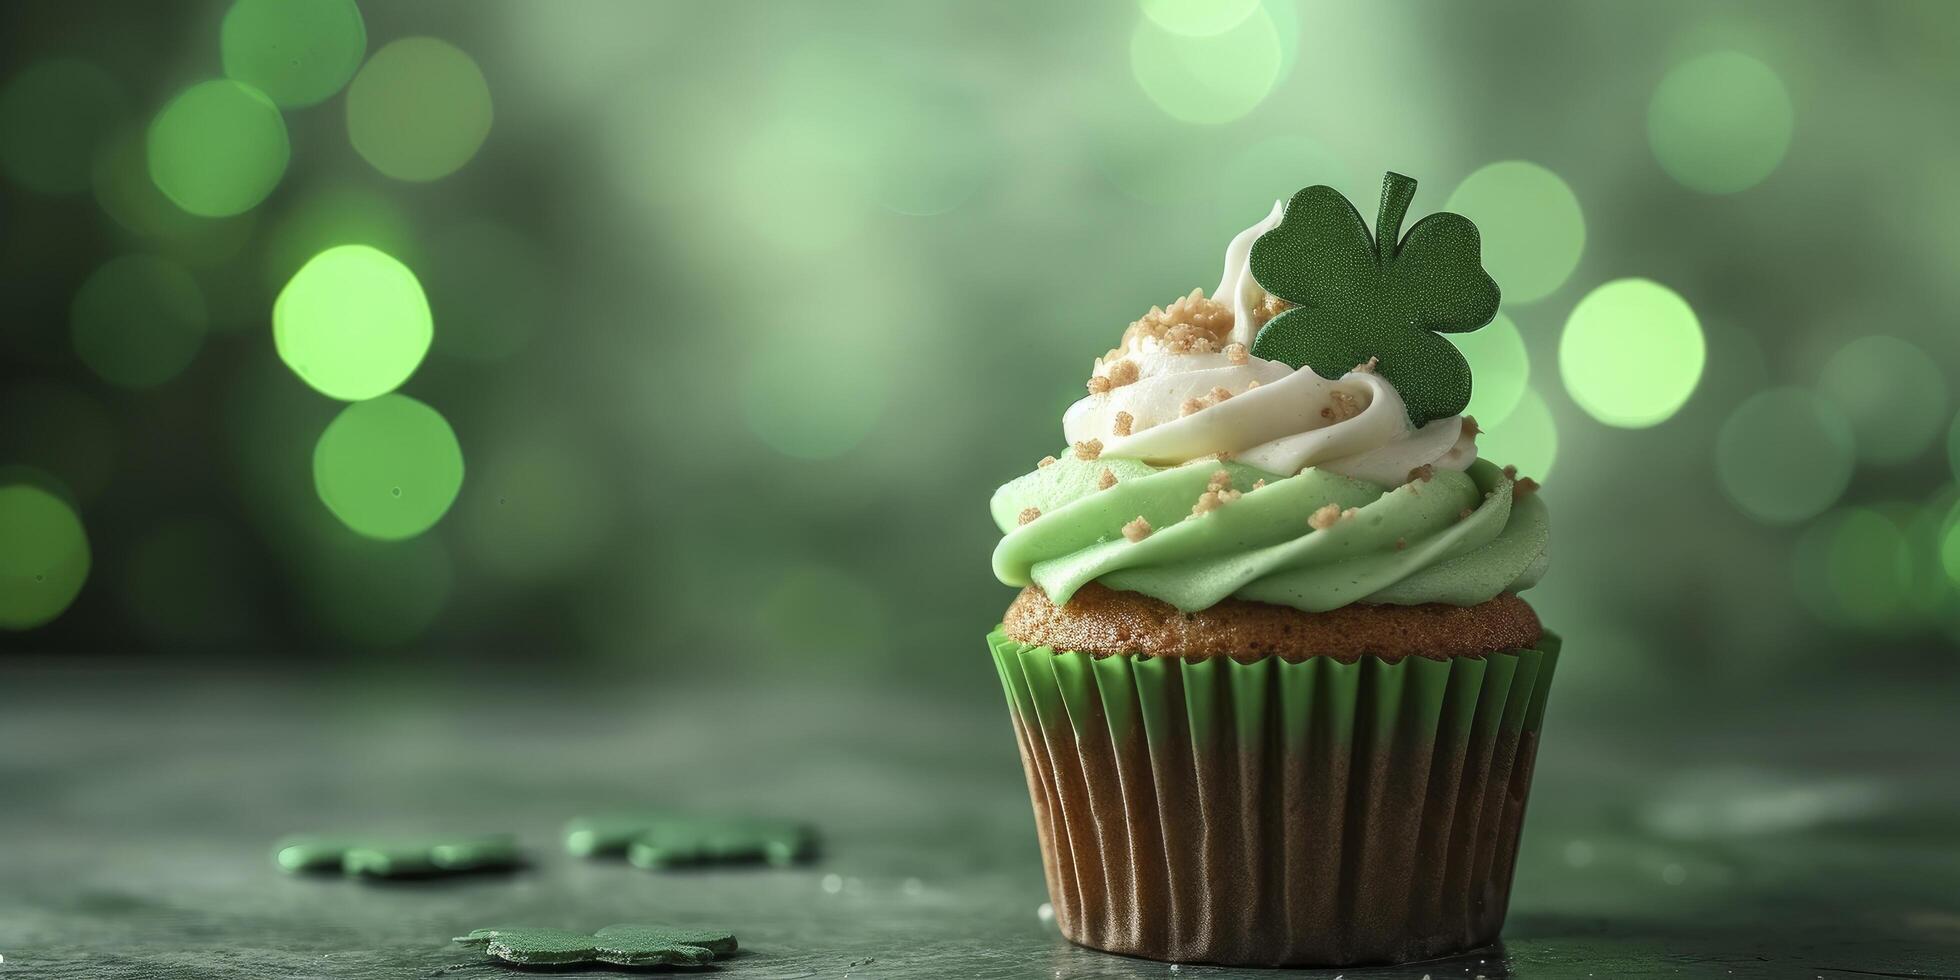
x: 621, y: 945
x: 1384, y: 295
x: 370, y: 858
x: 669, y: 840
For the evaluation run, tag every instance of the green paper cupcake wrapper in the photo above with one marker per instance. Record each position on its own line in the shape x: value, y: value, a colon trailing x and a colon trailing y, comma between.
x: 1273, y: 812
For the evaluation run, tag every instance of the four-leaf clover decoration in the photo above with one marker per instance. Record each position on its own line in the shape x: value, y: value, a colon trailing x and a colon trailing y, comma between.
x: 621, y: 945
x: 1385, y: 295
x: 399, y: 858
x: 670, y: 840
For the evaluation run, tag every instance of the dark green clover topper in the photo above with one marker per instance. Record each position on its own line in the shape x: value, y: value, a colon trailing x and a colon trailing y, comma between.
x: 622, y: 945
x: 670, y: 840
x: 379, y: 858
x: 1385, y: 295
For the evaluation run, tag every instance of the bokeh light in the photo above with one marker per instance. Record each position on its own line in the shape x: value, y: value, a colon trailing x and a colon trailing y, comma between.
x: 388, y: 468
x: 1631, y: 353
x: 138, y: 321
x: 1854, y: 568
x: 298, y: 52
x: 810, y: 396
x: 53, y: 116
x: 338, y: 216
x: 1198, y: 18
x: 353, y: 322
x: 538, y: 508
x: 1533, y: 230
x: 1500, y: 369
x: 120, y: 175
x: 1720, y: 123
x: 1210, y: 79
x: 1893, y: 394
x: 1784, y: 456
x: 1528, y: 439
x: 59, y: 430
x: 186, y: 584
x: 419, y: 109
x: 218, y: 148
x: 44, y: 555
x: 484, y: 285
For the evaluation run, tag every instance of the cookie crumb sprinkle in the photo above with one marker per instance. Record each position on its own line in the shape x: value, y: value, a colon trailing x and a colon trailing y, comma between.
x: 1470, y: 428
x: 1088, y: 449
x: 1525, y: 487
x: 1046, y: 461
x: 1463, y: 515
x: 1219, y: 393
x: 1367, y: 366
x: 1401, y: 543
x: 1123, y: 424
x: 1423, y: 473
x: 1220, y: 479
x: 1259, y: 484
x: 1236, y: 353
x: 1136, y: 530
x: 1123, y: 373
x: 1099, y: 384
x: 1325, y: 517
x: 1028, y: 514
x: 1191, y: 406
x: 1106, y: 480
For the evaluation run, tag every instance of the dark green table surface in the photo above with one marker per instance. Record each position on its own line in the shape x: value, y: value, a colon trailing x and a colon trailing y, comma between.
x: 1779, y: 839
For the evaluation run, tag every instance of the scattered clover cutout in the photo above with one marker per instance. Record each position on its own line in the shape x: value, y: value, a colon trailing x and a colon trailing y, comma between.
x: 621, y: 945
x: 381, y: 858
x: 669, y: 841
x: 1385, y: 295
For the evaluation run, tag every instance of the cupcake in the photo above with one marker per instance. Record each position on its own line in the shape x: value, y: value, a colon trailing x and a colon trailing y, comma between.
x: 1275, y: 691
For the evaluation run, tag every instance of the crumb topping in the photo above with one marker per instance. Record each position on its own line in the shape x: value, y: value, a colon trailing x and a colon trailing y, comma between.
x: 1192, y: 324
x: 1136, y: 530
x: 1424, y: 473
x: 1191, y: 406
x: 1259, y: 484
x: 1470, y: 428
x: 1254, y: 383
x: 1525, y: 487
x: 1367, y: 366
x: 1099, y: 384
x: 1340, y: 406
x: 1401, y: 543
x: 1463, y: 515
x: 1028, y: 514
x: 1106, y: 480
x: 1236, y: 353
x: 1269, y: 307
x: 1088, y: 449
x: 1220, y: 479
x: 1213, y: 499
x: 1330, y: 515
x: 1123, y: 424
x: 1511, y: 473
x: 1046, y: 461
x: 1219, y: 393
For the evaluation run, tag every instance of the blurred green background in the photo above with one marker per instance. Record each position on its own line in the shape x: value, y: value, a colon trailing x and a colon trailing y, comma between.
x: 693, y: 337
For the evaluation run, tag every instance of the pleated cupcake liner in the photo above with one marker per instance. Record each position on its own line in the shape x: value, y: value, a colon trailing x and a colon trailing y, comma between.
x: 1276, y: 813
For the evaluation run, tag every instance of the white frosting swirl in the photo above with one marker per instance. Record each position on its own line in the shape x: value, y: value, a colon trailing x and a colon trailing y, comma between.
x: 1293, y: 419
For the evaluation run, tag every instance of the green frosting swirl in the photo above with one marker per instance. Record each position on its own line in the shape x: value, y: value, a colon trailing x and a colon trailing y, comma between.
x: 1404, y: 546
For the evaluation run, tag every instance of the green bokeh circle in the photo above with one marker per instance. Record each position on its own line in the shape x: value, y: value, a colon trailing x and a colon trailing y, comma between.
x: 138, y: 321
x: 353, y: 322
x: 1528, y: 439
x: 1893, y: 394
x: 783, y: 412
x: 218, y: 148
x: 1784, y: 456
x: 419, y: 109
x: 1500, y: 369
x: 1632, y: 352
x: 1720, y: 123
x: 388, y: 468
x: 1533, y: 231
x: 53, y: 117
x: 1198, y: 18
x: 1207, y: 80
x: 44, y: 556
x: 298, y: 52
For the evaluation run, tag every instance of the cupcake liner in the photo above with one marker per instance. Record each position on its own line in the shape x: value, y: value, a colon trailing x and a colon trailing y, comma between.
x: 1273, y: 812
